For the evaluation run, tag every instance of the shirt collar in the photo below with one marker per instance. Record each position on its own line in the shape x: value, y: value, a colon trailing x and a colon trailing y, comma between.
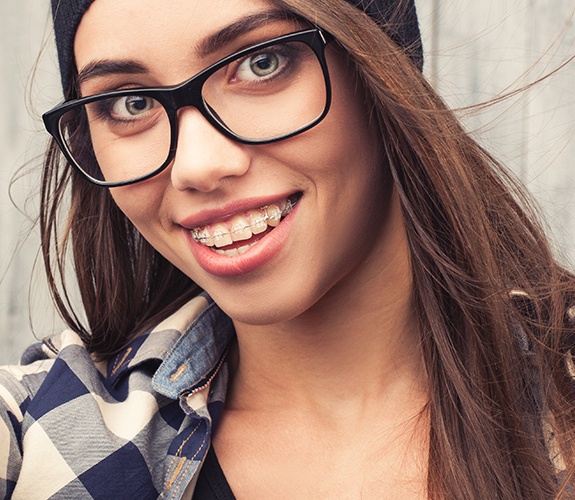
x: 197, y: 354
x: 188, y: 346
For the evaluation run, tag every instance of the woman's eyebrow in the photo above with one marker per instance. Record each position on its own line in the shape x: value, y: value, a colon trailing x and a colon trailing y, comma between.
x: 206, y: 47
x: 106, y: 67
x: 226, y: 35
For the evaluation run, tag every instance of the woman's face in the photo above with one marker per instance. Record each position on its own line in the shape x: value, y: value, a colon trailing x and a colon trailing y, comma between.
x: 339, y: 226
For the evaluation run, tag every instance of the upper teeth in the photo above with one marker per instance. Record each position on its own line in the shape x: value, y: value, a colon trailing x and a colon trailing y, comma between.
x: 242, y: 226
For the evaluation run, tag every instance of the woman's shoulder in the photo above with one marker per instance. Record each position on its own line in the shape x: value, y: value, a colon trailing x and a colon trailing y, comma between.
x: 67, y: 419
x: 19, y: 387
x: 20, y: 383
x: 64, y: 415
x: 46, y: 360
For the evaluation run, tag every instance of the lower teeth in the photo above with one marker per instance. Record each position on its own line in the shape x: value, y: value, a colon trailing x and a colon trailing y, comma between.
x: 232, y: 252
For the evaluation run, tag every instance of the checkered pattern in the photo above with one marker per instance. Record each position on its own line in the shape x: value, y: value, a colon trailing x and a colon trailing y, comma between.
x: 138, y: 426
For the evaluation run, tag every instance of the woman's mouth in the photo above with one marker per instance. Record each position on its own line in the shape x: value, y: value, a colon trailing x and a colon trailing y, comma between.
x: 237, y: 234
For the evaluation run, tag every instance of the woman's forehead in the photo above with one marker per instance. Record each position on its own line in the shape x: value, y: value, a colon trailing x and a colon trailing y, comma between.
x: 158, y: 32
x: 120, y: 18
x: 109, y: 26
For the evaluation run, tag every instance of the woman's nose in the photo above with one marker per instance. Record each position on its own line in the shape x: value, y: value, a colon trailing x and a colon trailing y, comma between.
x: 204, y: 157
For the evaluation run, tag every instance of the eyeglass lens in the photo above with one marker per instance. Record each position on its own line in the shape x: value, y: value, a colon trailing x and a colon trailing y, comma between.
x: 264, y: 95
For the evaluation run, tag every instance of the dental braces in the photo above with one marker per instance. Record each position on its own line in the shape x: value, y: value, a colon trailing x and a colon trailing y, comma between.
x: 276, y: 215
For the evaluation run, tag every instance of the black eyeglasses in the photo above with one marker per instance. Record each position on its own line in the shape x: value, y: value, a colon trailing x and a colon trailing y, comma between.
x: 261, y: 94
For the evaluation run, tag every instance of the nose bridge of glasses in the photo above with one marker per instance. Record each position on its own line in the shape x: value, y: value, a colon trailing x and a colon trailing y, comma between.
x: 188, y: 94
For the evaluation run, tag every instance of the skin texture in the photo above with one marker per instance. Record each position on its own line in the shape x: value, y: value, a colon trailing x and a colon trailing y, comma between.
x: 330, y: 306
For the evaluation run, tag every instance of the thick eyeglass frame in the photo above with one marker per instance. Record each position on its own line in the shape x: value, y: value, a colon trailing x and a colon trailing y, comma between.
x: 189, y: 93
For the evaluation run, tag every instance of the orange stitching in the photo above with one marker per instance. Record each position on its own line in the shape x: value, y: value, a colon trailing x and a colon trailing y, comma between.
x: 173, y: 477
x: 201, y: 447
x: 176, y: 456
x: 187, y: 439
x: 181, y: 478
x: 119, y: 363
x: 178, y: 373
x: 176, y: 472
x: 189, y: 464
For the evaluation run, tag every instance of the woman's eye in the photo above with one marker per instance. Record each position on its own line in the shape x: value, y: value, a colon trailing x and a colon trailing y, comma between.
x: 260, y: 66
x: 131, y: 106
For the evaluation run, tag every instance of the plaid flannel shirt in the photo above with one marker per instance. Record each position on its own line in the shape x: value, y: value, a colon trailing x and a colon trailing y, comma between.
x: 138, y: 426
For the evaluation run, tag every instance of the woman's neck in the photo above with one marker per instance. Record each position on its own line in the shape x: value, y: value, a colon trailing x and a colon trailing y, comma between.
x: 358, y: 346
x: 333, y: 401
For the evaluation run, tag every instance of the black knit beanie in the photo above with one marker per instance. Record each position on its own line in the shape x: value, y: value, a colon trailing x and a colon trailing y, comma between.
x: 403, y: 28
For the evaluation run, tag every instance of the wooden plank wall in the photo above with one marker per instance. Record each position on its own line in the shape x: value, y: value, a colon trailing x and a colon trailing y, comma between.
x: 23, y: 26
x: 475, y: 51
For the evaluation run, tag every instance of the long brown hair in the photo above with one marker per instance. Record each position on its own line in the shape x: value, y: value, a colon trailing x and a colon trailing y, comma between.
x: 125, y: 285
x: 491, y: 300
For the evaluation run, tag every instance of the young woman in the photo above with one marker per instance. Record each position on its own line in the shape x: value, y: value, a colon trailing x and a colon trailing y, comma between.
x: 300, y: 277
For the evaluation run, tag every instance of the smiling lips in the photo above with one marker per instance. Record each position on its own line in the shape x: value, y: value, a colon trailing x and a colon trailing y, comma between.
x: 237, y: 234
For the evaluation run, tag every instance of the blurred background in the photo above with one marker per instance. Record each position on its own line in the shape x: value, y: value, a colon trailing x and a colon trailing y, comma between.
x: 474, y: 52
